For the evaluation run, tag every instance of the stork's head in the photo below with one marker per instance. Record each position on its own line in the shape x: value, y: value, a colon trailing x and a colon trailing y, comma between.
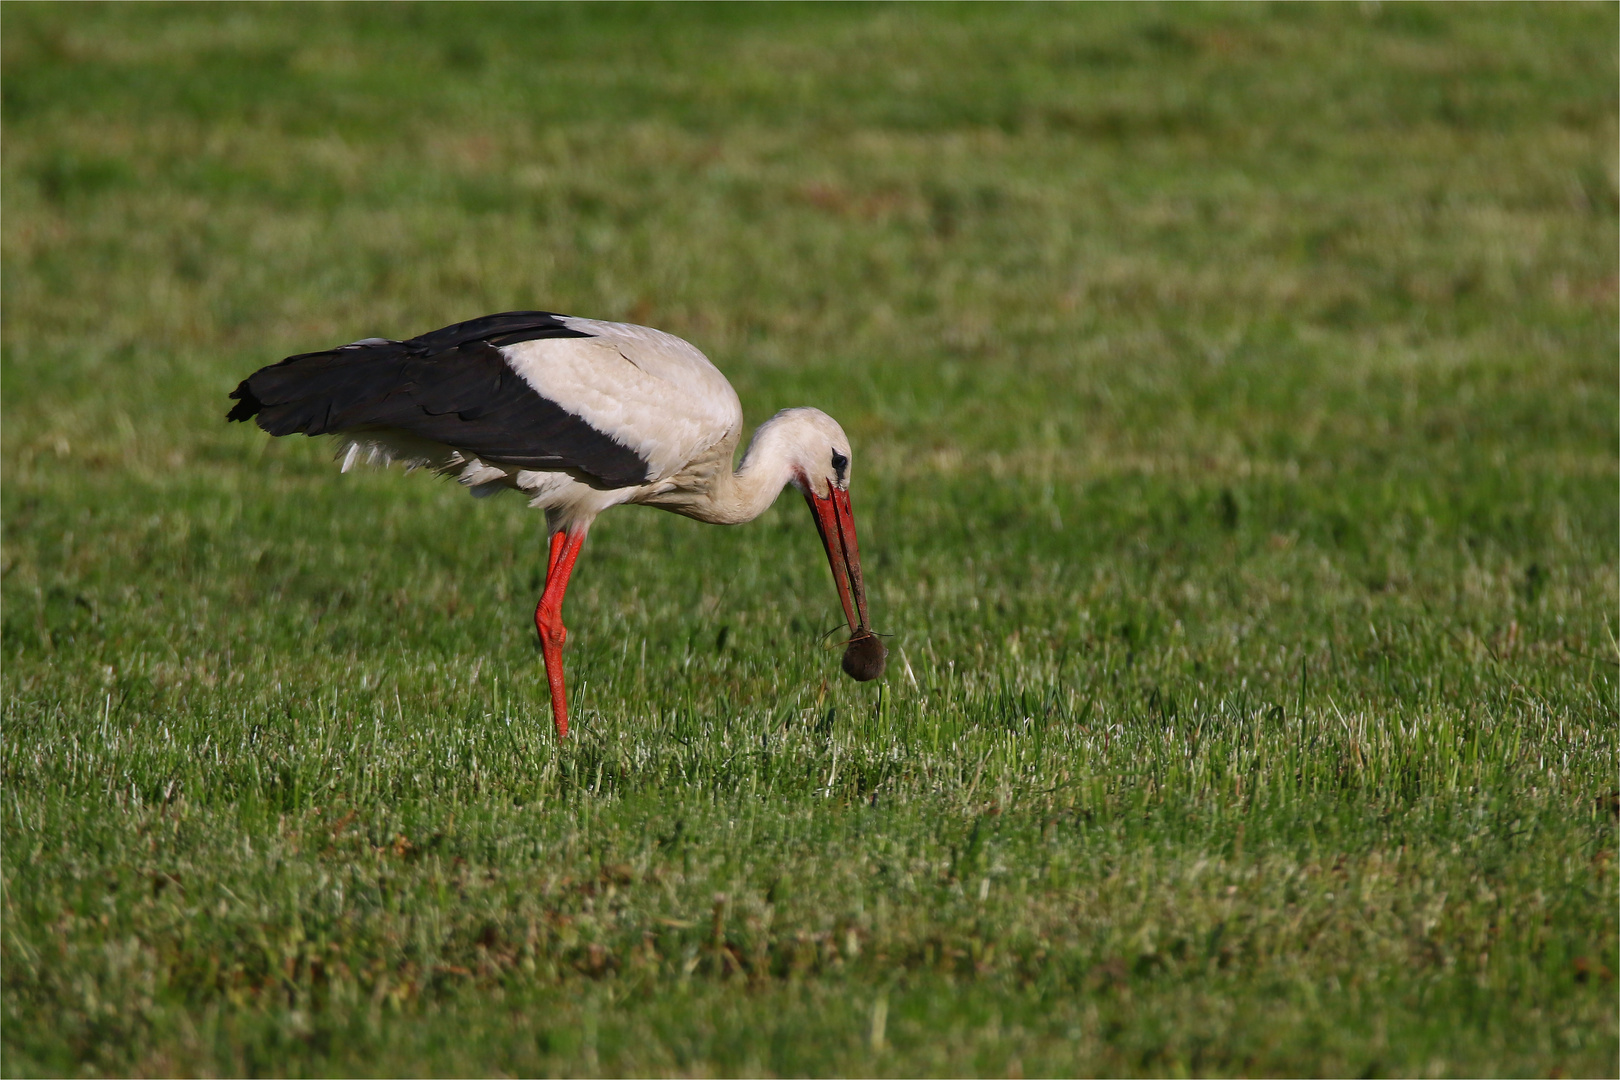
x: 820, y: 467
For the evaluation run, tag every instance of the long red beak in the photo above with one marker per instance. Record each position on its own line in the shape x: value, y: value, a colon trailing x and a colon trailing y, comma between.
x: 836, y: 523
x: 864, y: 654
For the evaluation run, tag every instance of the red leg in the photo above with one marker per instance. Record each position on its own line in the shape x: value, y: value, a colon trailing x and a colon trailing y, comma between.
x: 548, y: 620
x: 557, y: 540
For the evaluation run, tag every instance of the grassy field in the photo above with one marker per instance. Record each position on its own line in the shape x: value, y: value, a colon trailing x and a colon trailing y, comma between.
x: 1233, y: 393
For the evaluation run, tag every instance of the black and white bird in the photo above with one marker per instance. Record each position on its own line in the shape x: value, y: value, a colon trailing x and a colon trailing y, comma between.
x: 578, y: 415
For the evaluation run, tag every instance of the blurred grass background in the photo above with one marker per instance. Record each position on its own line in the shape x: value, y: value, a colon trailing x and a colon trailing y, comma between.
x: 1233, y: 393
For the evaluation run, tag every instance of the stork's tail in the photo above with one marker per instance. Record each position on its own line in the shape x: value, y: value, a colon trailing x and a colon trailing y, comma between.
x: 247, y: 406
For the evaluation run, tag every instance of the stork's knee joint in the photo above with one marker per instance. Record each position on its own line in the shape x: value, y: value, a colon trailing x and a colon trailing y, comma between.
x: 552, y: 630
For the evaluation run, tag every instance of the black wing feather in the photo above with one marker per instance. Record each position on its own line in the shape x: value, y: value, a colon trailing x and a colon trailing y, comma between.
x: 451, y: 386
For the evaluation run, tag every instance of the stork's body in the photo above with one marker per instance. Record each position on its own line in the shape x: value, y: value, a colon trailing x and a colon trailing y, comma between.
x: 579, y: 416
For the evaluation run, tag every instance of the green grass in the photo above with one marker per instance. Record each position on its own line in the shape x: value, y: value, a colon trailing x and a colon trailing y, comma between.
x: 1234, y: 406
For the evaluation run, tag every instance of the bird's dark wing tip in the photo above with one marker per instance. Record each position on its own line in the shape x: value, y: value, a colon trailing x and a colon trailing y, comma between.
x: 247, y: 403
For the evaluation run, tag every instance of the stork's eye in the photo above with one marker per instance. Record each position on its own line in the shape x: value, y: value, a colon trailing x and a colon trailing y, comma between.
x: 840, y: 463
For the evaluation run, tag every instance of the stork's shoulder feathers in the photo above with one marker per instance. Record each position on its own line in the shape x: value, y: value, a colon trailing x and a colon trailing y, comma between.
x: 648, y: 390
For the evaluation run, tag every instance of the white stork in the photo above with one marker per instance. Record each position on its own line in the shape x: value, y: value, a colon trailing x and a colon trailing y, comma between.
x: 579, y: 415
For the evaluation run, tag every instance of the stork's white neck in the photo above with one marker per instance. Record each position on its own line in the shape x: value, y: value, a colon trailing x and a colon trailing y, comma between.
x: 794, y: 445
x: 767, y: 467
